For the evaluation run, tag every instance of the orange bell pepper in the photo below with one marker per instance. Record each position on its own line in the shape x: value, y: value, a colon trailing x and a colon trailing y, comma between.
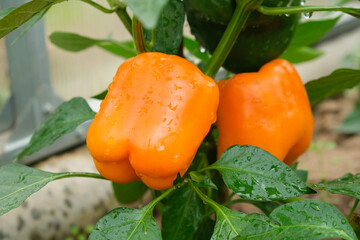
x: 268, y: 109
x: 157, y: 111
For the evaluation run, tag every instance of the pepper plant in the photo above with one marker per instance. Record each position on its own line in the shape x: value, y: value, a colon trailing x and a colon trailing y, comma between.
x: 242, y: 36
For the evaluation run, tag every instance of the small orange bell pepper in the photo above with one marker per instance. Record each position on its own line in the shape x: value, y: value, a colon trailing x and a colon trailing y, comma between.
x: 157, y: 111
x: 268, y: 109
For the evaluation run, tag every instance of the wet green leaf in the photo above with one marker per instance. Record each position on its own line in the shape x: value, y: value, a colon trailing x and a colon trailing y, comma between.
x: 129, y: 193
x: 308, y: 219
x: 63, y: 120
x: 147, y: 11
x: 254, y: 173
x: 349, y: 185
x: 127, y: 223
x: 182, y: 215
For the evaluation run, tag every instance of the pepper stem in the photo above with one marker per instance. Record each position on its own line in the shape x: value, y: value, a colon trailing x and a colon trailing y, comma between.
x: 138, y: 35
x: 236, y: 24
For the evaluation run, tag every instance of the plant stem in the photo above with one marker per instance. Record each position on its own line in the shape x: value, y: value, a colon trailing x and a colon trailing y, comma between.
x: 78, y: 174
x: 165, y: 194
x: 236, y: 24
x: 99, y: 7
x: 138, y: 36
x: 203, y: 196
x: 300, y: 9
x: 122, y: 14
x: 356, y: 203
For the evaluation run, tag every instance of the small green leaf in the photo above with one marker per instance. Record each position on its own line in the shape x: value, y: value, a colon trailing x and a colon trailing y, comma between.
x: 336, y: 82
x: 63, y: 120
x: 310, y: 32
x: 22, y: 14
x: 351, y: 124
x: 308, y: 219
x: 206, y: 182
x: 147, y: 11
x: 127, y: 223
x: 230, y: 224
x: 182, y: 214
x: 301, y: 54
x: 303, y: 175
x: 18, y: 182
x: 101, y: 95
x: 74, y: 42
x: 129, y: 193
x: 168, y: 31
x: 6, y: 11
x: 349, y: 185
x: 254, y: 173
x: 193, y: 47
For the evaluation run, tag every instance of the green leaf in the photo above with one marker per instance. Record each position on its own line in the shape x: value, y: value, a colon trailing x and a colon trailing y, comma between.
x: 147, y: 11
x: 205, y: 230
x: 129, y: 193
x: 349, y: 185
x: 230, y: 224
x: 308, y: 219
x: 30, y: 24
x: 63, y: 120
x: 310, y: 32
x: 205, y: 182
x: 254, y: 173
x: 101, y: 95
x: 303, y: 175
x: 182, y: 214
x: 265, y: 206
x: 301, y: 54
x: 351, y: 124
x: 168, y: 32
x: 6, y: 11
x: 74, y: 42
x: 336, y: 82
x: 127, y: 223
x: 193, y: 47
x: 18, y: 182
x: 22, y: 14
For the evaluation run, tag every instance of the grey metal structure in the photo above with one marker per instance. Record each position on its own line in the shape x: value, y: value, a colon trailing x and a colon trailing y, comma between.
x: 32, y: 96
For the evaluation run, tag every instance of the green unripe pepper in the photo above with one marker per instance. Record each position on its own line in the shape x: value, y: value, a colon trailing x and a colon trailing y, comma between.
x: 263, y: 38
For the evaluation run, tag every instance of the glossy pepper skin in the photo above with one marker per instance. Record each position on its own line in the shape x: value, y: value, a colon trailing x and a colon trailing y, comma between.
x: 157, y: 111
x: 263, y: 38
x: 268, y: 109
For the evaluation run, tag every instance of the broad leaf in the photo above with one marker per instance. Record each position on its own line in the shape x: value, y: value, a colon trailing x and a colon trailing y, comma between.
x: 169, y: 29
x: 301, y: 54
x: 230, y: 224
x: 6, y: 11
x: 193, y: 47
x: 254, y: 173
x: 336, y: 82
x: 308, y: 219
x: 30, y: 24
x: 205, y: 230
x: 22, y: 14
x: 127, y: 223
x: 63, y: 120
x: 18, y: 182
x: 351, y: 124
x: 75, y: 43
x: 310, y: 32
x: 349, y: 185
x: 303, y: 175
x: 129, y: 193
x: 147, y: 11
x: 182, y: 214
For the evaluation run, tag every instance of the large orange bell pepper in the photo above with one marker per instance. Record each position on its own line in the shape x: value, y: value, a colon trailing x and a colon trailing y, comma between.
x: 157, y: 111
x: 268, y: 109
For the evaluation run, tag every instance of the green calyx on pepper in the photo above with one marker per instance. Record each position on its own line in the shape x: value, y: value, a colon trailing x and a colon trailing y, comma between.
x: 263, y: 38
